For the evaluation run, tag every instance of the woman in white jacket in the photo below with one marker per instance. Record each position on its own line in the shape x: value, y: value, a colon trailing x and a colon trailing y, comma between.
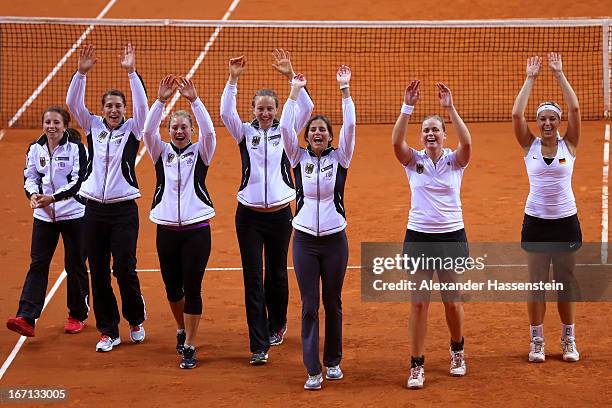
x: 320, y: 246
x: 182, y: 207
x: 55, y: 167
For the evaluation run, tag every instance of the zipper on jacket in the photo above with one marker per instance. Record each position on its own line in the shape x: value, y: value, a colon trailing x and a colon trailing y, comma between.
x: 318, y: 192
x: 106, y: 168
x: 266, y: 168
x: 51, y: 181
x: 179, y: 188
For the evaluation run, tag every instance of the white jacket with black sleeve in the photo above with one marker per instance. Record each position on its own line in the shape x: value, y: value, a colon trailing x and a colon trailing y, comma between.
x: 180, y: 197
x: 266, y: 172
x: 319, y: 181
x: 58, y: 174
x: 110, y: 173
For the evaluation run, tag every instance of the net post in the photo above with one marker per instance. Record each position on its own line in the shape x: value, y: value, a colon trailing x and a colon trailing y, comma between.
x: 607, y: 73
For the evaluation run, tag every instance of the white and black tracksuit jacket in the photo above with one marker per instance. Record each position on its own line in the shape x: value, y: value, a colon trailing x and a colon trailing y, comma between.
x: 58, y: 174
x: 181, y: 197
x: 319, y: 181
x: 266, y: 173
x: 110, y: 175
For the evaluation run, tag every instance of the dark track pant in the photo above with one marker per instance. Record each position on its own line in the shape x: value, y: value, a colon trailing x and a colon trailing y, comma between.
x: 320, y: 259
x: 265, y: 298
x: 183, y: 256
x: 112, y: 229
x: 45, y: 236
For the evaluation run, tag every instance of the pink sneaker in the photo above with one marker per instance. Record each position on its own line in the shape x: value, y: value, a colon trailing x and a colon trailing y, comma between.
x: 73, y: 326
x: 20, y: 325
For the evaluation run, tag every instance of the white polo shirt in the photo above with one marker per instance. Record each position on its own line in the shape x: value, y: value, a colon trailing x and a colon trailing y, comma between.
x: 435, y: 190
x: 550, y: 185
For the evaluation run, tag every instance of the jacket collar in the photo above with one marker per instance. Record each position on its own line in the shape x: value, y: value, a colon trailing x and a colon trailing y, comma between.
x: 179, y: 151
x: 325, y: 152
x: 42, y: 140
x: 255, y: 123
x: 120, y: 123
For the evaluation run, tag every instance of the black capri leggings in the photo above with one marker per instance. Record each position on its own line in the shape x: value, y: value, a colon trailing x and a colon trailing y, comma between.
x: 183, y: 255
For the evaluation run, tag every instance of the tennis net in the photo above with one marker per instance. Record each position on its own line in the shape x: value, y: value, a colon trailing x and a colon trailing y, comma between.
x: 483, y: 62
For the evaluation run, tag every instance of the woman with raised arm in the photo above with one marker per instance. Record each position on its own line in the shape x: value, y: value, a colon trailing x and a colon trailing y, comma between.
x: 55, y: 168
x: 320, y: 246
x: 182, y: 207
x: 110, y: 187
x: 551, y: 215
x: 263, y: 216
x: 435, y: 221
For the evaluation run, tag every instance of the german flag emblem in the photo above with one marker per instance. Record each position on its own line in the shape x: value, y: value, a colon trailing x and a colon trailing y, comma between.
x: 562, y: 161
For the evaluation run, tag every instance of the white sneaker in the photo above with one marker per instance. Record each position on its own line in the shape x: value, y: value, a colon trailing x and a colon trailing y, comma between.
x: 570, y: 352
x: 457, y: 363
x: 314, y: 382
x: 106, y: 343
x: 417, y: 378
x: 334, y: 373
x: 137, y: 333
x: 536, y: 354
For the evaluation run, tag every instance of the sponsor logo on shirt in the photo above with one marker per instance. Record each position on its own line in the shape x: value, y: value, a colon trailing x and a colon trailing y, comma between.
x: 62, y: 158
x: 324, y: 169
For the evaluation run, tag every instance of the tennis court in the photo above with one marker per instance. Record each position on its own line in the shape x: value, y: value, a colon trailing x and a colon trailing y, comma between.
x: 376, y: 348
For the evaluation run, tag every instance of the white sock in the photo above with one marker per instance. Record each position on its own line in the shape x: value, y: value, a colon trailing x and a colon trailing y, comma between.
x: 567, y: 330
x: 537, y: 331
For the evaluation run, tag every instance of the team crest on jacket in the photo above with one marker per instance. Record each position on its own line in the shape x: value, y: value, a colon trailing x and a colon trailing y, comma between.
x: 419, y: 168
x: 170, y: 157
x: 309, y: 168
x: 255, y: 140
x: 43, y: 161
x: 102, y: 135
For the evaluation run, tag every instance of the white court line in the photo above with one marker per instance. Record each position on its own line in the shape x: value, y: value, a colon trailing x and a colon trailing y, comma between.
x: 22, y: 339
x: 55, y: 69
x: 194, y: 68
x: 604, y: 196
x: 17, y: 115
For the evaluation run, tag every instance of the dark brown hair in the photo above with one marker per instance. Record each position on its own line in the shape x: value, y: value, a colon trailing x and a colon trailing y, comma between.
x: 113, y: 92
x: 327, y: 123
x: 58, y: 109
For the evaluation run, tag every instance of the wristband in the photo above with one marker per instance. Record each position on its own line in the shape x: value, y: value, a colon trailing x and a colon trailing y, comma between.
x: 344, y: 86
x: 407, y: 109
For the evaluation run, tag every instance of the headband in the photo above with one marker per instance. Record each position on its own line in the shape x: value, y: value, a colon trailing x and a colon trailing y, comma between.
x: 549, y: 106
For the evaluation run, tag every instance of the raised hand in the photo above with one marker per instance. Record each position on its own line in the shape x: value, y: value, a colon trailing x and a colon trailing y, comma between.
x: 237, y: 67
x: 87, y: 59
x: 187, y: 89
x: 167, y: 87
x: 343, y: 76
x: 299, y: 80
x: 282, y: 63
x: 412, y: 93
x: 533, y: 66
x: 554, y: 63
x: 128, y: 59
x: 445, y: 95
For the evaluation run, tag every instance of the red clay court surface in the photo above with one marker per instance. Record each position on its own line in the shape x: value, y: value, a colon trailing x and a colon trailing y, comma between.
x: 376, y: 347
